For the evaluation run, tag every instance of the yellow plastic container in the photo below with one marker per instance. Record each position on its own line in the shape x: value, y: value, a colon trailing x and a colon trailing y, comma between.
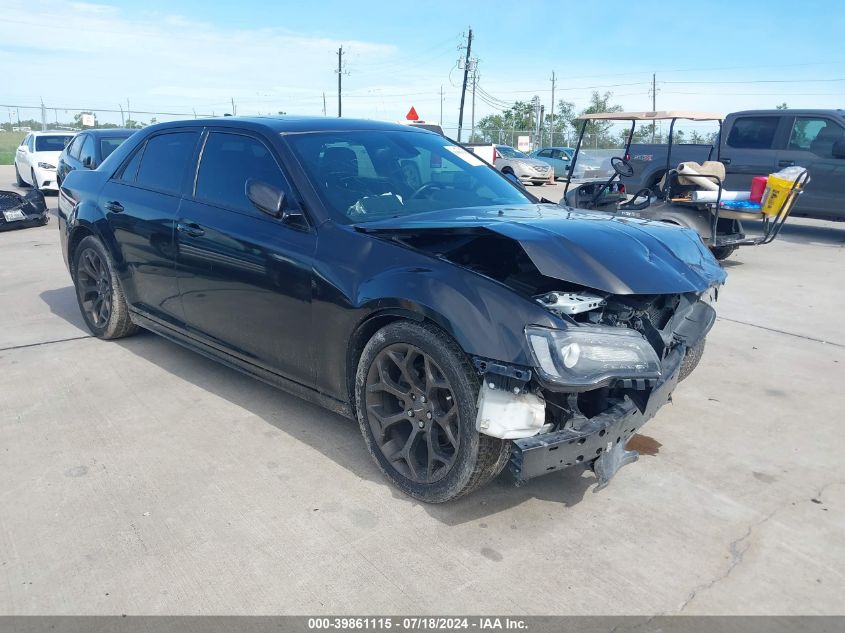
x: 777, y: 190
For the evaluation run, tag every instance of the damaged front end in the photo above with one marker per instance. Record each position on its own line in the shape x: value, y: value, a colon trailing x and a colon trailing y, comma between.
x: 595, y: 383
x: 629, y: 305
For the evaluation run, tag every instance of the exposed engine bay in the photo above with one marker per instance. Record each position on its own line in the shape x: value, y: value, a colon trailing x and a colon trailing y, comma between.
x: 554, y: 424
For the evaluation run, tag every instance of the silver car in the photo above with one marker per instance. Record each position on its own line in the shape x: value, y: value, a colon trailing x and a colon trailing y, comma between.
x: 511, y: 161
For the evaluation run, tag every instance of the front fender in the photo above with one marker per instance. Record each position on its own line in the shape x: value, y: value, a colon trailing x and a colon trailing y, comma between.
x: 484, y: 317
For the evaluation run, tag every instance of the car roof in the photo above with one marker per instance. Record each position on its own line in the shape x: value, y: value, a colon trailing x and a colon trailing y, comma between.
x: 109, y: 131
x: 52, y: 132
x: 293, y: 124
x: 795, y: 112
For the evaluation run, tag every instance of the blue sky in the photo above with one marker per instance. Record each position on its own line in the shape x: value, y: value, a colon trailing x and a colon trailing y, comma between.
x: 181, y: 56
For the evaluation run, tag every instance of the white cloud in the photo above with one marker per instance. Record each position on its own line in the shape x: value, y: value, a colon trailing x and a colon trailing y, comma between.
x: 94, y: 55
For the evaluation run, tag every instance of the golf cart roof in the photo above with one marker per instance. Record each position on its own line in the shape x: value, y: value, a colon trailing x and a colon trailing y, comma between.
x: 652, y: 116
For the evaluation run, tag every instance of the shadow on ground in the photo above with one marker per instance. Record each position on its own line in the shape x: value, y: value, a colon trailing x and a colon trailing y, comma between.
x: 336, y: 437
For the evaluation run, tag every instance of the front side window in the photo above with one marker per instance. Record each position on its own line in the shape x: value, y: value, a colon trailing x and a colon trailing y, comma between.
x: 164, y: 160
x: 365, y: 176
x: 815, y: 135
x: 228, y: 161
x: 753, y: 132
x: 51, y: 143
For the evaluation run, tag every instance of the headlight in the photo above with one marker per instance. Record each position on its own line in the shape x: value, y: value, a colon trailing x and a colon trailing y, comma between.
x: 586, y: 356
x: 46, y: 166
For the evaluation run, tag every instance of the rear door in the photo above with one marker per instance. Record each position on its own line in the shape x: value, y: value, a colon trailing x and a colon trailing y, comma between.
x: 141, y: 202
x: 750, y: 148
x: 810, y: 145
x: 244, y: 276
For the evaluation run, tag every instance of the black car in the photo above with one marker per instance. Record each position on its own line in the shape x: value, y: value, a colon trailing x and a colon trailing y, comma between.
x: 88, y: 149
x: 18, y: 211
x: 465, y: 325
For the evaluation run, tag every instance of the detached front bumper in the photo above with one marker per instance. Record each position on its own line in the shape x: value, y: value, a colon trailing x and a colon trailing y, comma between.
x: 598, y: 441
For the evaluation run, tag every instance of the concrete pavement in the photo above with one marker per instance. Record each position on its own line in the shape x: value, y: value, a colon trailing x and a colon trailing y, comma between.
x: 141, y: 478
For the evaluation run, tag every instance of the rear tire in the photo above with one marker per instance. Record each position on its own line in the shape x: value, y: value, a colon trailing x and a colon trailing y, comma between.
x: 722, y: 252
x: 414, y: 367
x: 98, y: 291
x: 691, y: 360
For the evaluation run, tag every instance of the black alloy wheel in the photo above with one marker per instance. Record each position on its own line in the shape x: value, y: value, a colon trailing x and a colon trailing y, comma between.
x: 94, y: 287
x: 415, y: 398
x: 412, y: 413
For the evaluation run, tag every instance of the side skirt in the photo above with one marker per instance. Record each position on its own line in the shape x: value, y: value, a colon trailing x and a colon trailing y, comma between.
x: 273, y: 379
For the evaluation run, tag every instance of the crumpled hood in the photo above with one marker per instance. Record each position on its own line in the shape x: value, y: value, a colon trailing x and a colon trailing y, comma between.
x: 613, y: 254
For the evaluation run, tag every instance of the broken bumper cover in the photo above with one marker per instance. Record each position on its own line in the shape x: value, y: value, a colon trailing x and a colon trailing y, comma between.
x: 599, y: 440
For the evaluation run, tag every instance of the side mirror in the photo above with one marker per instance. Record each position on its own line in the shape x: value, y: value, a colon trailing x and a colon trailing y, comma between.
x: 270, y: 199
x: 838, y: 150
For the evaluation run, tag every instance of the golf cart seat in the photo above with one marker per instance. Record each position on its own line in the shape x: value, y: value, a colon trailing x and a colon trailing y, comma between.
x: 685, y: 183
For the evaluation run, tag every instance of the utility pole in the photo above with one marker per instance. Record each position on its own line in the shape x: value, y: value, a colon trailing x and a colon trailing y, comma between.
x: 234, y: 108
x: 441, y: 105
x: 128, y: 111
x: 474, y: 82
x: 122, y: 120
x: 653, y: 102
x: 43, y: 116
x: 339, y: 75
x: 464, y: 87
x: 324, y: 104
x: 552, y: 126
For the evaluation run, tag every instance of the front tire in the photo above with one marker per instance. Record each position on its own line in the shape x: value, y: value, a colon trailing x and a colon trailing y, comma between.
x: 415, y: 395
x: 691, y: 360
x: 98, y: 291
x: 34, y: 180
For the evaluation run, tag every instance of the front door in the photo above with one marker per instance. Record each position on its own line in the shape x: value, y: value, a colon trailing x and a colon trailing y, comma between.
x: 810, y: 145
x: 245, y: 276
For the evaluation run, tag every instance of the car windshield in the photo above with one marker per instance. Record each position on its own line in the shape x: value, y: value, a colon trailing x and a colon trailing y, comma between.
x: 364, y: 176
x: 509, y: 152
x: 51, y: 143
x: 108, y: 145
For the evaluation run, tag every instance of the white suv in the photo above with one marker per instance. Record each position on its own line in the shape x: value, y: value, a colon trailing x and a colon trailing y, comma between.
x: 36, y: 158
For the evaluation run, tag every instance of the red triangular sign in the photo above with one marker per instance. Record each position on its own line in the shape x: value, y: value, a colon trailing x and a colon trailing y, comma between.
x: 412, y: 115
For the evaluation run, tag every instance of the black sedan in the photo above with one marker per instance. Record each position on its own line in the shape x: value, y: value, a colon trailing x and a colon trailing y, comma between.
x: 88, y: 149
x: 464, y: 324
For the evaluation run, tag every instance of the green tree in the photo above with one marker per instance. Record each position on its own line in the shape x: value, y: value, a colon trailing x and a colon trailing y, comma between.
x: 599, y: 133
x: 783, y: 106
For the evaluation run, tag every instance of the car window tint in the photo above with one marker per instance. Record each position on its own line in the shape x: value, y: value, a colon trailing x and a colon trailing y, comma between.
x: 130, y: 170
x: 50, y: 143
x: 29, y: 143
x: 546, y: 153
x: 164, y: 160
x: 87, y: 151
x: 815, y: 135
x: 75, y: 146
x: 228, y: 161
x: 108, y: 145
x: 753, y: 132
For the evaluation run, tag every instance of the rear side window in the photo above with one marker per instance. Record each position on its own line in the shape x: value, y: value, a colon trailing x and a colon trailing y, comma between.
x: 228, y: 161
x: 108, y: 145
x: 753, y: 132
x: 164, y: 160
x: 87, y: 151
x: 75, y: 146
